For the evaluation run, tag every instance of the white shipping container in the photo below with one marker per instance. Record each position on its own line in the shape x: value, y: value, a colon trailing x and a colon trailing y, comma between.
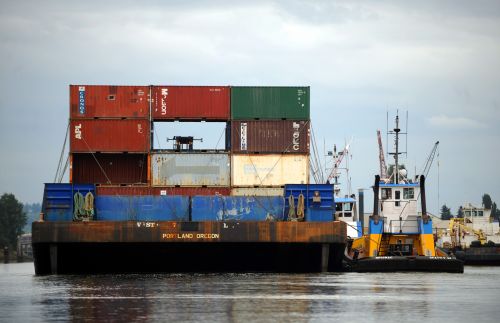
x: 190, y: 169
x: 257, y: 191
x: 269, y: 170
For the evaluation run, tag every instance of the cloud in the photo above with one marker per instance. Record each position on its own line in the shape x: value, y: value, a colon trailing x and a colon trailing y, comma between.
x: 455, y: 122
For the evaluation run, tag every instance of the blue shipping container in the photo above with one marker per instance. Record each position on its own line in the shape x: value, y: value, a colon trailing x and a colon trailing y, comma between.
x: 237, y: 208
x: 58, y: 200
x: 142, y: 208
x: 321, y: 211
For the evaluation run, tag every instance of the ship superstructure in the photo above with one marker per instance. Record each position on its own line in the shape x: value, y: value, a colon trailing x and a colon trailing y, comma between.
x: 398, y: 237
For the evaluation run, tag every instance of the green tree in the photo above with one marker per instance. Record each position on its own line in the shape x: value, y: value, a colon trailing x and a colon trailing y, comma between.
x: 495, y: 213
x: 460, y: 212
x: 487, y: 203
x: 445, y: 212
x: 12, y: 220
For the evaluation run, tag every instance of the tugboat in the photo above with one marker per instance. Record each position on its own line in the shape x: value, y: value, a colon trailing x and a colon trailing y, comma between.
x: 398, y: 238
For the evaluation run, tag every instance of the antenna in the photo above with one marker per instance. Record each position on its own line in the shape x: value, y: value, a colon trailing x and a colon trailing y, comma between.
x: 397, y: 133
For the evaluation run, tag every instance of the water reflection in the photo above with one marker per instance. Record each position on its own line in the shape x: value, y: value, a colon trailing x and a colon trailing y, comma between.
x: 250, y: 297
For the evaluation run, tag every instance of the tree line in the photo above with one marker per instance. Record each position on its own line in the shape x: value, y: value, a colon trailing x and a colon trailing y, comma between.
x: 12, y: 220
x: 488, y: 204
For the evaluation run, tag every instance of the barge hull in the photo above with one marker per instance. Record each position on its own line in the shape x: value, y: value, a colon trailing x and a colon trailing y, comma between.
x: 170, y: 246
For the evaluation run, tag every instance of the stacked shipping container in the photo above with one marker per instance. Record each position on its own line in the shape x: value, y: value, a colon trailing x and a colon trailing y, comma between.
x: 191, y: 172
x: 269, y: 139
x: 268, y: 132
x: 109, y: 134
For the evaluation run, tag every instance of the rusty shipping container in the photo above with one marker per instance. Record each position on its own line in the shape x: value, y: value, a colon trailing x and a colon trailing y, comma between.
x: 190, y: 169
x: 148, y: 190
x: 269, y: 170
x: 191, y: 102
x: 108, y: 101
x: 103, y: 135
x: 270, y: 136
x: 109, y: 168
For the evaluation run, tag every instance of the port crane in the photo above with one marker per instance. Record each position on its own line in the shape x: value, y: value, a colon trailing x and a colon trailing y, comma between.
x: 383, y: 166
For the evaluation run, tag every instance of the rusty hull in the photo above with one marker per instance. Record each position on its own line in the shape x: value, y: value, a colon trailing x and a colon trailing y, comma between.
x: 208, y: 232
x: 139, y: 246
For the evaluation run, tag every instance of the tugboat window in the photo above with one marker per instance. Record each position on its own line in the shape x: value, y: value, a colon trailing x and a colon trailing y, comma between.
x: 347, y: 206
x: 386, y: 193
x: 479, y: 213
x: 408, y: 193
x: 397, y: 196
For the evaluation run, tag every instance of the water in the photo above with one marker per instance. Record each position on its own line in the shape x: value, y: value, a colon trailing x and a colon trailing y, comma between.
x: 416, y: 297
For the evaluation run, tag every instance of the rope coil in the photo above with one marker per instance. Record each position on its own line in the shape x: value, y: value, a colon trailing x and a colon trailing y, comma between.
x: 296, y: 214
x: 83, y: 207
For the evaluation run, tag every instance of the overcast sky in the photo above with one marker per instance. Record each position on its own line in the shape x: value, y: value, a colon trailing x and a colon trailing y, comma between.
x: 438, y: 60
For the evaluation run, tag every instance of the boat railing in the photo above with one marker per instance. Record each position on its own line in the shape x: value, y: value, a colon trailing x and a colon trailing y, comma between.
x: 408, y: 225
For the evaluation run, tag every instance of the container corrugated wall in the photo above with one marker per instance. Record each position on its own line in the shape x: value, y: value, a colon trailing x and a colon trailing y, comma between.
x: 190, y: 169
x: 155, y: 191
x: 257, y: 191
x: 191, y: 102
x: 142, y: 208
x: 249, y: 103
x: 269, y: 170
x: 99, y: 135
x: 270, y: 136
x: 109, y: 168
x: 237, y: 208
x: 108, y: 101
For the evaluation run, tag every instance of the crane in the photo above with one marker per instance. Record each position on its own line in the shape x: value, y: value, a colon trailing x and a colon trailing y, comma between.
x: 338, y: 160
x: 428, y: 163
x: 383, y: 166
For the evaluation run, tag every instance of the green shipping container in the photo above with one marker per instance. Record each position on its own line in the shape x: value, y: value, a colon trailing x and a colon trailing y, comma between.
x: 261, y: 102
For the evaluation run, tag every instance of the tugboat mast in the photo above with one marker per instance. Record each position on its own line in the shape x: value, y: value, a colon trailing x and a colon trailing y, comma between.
x: 396, y: 168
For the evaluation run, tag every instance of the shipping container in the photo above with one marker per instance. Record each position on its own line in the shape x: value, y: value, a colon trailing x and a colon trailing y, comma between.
x: 109, y: 168
x: 270, y: 136
x: 269, y: 170
x: 99, y: 135
x: 142, y: 208
x: 58, y: 200
x: 319, y: 201
x: 155, y: 191
x: 191, y: 102
x: 257, y: 191
x: 269, y: 103
x: 237, y: 208
x: 190, y: 169
x: 108, y: 101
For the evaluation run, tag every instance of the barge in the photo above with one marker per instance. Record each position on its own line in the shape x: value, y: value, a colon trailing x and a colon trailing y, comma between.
x: 129, y: 207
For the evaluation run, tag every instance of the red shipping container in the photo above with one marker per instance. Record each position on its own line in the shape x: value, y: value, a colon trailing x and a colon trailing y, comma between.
x: 109, y: 168
x: 191, y: 102
x: 108, y: 101
x: 106, y: 135
x: 147, y: 190
x: 270, y: 136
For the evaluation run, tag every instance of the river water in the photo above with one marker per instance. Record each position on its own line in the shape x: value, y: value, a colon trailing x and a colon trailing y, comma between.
x: 403, y: 297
